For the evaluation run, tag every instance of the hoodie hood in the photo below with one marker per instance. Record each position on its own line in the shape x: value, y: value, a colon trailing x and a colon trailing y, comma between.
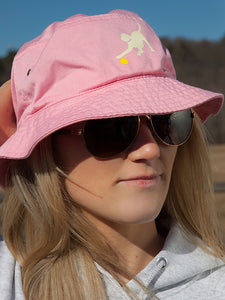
x: 180, y: 270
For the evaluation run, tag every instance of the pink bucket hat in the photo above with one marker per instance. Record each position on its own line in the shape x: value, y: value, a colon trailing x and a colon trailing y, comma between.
x: 90, y: 67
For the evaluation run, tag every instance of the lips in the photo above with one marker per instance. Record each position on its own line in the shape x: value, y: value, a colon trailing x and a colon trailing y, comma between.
x: 141, y: 180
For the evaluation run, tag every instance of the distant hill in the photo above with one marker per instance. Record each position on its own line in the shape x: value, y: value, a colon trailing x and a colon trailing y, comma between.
x: 5, y: 66
x: 199, y: 63
x: 202, y: 64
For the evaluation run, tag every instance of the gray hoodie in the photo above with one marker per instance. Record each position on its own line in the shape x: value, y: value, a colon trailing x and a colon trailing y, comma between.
x: 180, y: 271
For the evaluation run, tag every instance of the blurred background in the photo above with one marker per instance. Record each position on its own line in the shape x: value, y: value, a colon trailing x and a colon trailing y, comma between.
x: 193, y: 31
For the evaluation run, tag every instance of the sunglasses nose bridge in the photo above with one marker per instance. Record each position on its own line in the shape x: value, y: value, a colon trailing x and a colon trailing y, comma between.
x: 147, y: 120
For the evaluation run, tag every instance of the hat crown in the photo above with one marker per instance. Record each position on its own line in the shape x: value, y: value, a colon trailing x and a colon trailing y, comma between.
x: 83, y: 53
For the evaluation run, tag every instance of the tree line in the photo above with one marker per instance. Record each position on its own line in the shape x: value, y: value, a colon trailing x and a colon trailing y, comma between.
x: 199, y: 63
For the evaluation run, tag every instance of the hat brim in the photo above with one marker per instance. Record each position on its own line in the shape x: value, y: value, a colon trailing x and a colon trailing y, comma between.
x: 132, y: 96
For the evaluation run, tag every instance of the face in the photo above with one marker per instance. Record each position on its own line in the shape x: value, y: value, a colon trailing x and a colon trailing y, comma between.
x: 129, y: 188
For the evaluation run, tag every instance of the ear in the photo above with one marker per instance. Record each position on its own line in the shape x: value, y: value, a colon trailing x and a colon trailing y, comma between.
x: 7, y: 115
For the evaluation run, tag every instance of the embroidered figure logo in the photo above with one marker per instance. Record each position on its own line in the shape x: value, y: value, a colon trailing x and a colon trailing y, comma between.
x: 135, y: 40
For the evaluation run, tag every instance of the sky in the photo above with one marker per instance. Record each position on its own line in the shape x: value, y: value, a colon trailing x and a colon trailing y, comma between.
x: 23, y: 20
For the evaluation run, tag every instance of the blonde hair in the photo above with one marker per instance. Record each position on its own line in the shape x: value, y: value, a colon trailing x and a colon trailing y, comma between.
x: 191, y: 200
x: 56, y: 245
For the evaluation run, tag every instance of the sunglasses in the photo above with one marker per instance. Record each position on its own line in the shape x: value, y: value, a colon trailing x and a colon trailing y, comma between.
x: 106, y: 138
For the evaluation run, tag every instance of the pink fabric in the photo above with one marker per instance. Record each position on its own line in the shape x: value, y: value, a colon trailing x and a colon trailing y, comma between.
x: 94, y: 67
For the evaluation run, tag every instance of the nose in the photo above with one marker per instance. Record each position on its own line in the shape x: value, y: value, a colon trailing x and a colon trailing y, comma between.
x: 145, y: 146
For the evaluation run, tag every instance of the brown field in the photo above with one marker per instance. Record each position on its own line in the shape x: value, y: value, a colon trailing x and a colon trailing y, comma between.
x: 217, y: 153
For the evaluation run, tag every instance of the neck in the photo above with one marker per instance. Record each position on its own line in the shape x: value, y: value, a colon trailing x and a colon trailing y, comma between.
x: 135, y: 244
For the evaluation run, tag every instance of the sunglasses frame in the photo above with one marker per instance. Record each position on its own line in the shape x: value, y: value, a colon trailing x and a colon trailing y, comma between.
x: 81, y: 132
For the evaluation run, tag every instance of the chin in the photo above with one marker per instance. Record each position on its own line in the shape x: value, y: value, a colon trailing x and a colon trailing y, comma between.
x: 137, y: 217
x: 139, y: 210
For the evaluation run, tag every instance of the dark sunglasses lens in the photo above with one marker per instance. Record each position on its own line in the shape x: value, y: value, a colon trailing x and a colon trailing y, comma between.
x: 175, y: 128
x: 108, y: 137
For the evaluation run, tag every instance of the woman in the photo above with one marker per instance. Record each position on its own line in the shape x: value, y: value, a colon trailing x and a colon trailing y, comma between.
x: 108, y: 185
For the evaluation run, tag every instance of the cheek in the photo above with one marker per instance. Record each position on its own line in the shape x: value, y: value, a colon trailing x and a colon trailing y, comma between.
x: 91, y: 186
x: 94, y: 172
x: 92, y: 179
